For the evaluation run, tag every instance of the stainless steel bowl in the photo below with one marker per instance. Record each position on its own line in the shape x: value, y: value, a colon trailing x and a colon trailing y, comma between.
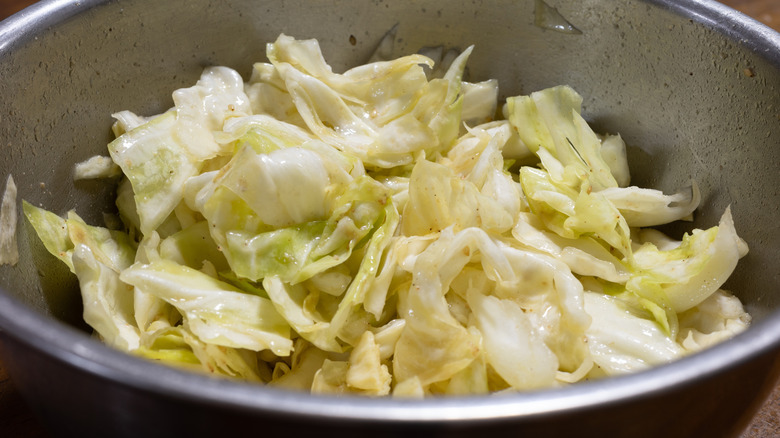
x: 691, y: 85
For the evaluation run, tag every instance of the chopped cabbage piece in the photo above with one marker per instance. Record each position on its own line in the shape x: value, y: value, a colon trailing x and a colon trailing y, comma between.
x: 96, y: 167
x: 215, y: 312
x: 9, y: 251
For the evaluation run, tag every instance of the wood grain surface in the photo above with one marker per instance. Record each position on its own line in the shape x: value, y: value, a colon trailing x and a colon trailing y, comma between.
x: 16, y: 419
x: 10, y: 7
x: 765, y: 11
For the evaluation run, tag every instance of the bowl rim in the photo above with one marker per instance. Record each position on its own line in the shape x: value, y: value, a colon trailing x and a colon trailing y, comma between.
x: 77, y: 349
x: 751, y: 33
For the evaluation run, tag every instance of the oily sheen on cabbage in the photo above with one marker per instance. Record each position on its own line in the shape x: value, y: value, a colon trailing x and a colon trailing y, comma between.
x: 389, y: 230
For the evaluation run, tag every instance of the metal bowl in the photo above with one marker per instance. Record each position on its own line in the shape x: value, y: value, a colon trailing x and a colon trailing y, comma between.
x: 691, y: 85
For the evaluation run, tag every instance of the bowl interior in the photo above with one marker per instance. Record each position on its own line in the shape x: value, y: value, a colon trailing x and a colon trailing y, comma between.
x: 691, y: 100
x: 691, y: 103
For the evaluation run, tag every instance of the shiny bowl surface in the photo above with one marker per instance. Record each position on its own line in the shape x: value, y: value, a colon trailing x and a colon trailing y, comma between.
x: 691, y: 85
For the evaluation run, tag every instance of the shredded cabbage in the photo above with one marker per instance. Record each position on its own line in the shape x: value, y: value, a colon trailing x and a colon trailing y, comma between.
x: 374, y: 232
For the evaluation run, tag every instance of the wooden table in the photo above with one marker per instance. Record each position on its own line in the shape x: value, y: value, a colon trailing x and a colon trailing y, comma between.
x: 16, y: 420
